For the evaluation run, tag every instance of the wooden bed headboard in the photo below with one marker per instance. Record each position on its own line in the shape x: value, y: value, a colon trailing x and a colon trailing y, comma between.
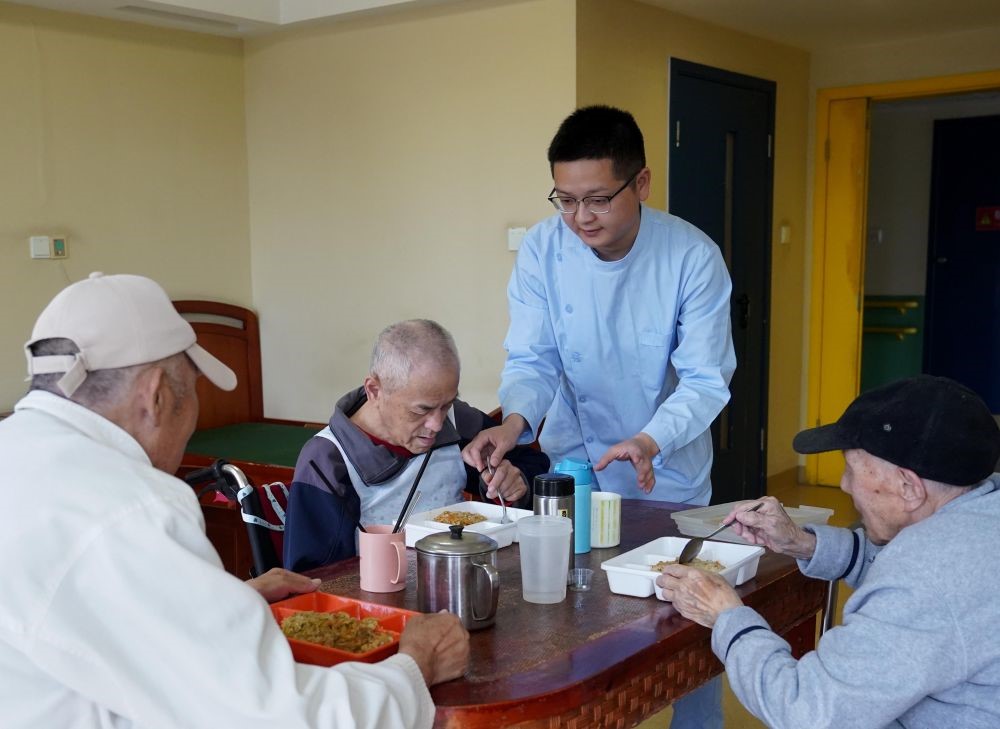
x: 232, y: 334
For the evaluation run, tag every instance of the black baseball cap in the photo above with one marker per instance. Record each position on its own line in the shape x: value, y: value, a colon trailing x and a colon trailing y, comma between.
x: 939, y: 429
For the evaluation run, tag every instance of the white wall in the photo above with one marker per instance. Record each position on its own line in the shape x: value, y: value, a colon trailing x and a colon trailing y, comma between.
x: 129, y: 140
x: 387, y: 158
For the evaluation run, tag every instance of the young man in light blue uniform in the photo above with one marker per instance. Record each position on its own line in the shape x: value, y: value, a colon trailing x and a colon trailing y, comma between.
x: 619, y: 333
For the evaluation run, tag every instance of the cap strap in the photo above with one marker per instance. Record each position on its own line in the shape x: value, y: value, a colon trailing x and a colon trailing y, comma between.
x: 74, y: 365
x: 74, y: 377
x: 50, y: 363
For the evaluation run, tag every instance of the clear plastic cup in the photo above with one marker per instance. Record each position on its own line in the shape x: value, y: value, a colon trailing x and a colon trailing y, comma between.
x: 544, y: 546
x: 580, y: 578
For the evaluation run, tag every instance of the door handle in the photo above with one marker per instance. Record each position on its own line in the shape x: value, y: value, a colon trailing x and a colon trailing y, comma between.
x: 744, y: 303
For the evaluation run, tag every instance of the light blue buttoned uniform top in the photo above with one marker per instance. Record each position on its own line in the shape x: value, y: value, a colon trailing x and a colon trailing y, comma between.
x: 605, y: 349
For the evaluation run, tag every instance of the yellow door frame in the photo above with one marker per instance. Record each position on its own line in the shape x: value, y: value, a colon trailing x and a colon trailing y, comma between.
x: 839, y: 202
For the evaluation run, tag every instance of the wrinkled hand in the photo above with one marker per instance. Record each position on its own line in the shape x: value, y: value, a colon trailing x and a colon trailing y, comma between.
x: 438, y: 643
x: 508, y: 479
x: 639, y: 449
x: 494, y: 443
x: 698, y: 595
x: 277, y: 584
x: 771, y: 527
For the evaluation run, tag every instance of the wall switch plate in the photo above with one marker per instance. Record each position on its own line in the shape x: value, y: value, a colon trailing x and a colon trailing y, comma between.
x: 514, y: 238
x: 40, y: 246
x: 60, y: 246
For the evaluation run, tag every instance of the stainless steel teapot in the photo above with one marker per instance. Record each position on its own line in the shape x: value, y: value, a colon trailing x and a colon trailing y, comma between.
x: 457, y: 572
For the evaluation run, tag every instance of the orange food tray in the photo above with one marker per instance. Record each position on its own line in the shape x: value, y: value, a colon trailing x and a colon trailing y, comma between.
x: 389, y: 619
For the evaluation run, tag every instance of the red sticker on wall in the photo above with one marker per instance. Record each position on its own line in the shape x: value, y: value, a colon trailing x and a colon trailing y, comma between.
x: 988, y: 218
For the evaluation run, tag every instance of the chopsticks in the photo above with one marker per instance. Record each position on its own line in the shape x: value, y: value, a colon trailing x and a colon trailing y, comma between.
x: 334, y: 490
x: 409, y: 496
x: 409, y: 510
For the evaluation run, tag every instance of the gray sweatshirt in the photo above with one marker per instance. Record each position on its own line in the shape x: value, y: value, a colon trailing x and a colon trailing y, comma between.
x: 920, y: 643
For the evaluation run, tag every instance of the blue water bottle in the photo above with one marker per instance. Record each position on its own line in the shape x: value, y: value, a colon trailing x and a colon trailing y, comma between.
x: 583, y: 477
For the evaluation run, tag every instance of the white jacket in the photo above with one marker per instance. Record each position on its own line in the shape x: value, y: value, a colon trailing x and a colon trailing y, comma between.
x: 115, y: 610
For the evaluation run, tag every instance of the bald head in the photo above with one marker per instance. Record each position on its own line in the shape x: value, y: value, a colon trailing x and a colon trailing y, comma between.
x: 409, y: 346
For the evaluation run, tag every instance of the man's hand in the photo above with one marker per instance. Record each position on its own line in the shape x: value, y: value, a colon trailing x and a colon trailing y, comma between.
x: 494, y: 443
x: 639, y: 449
x: 508, y: 479
x: 277, y: 584
x: 771, y: 527
x: 698, y: 595
x: 438, y: 643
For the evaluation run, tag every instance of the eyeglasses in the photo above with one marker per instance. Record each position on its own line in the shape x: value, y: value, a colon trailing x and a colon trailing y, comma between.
x: 597, y: 204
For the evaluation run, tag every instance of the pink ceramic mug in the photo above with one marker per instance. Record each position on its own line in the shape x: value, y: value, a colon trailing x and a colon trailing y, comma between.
x: 383, y: 559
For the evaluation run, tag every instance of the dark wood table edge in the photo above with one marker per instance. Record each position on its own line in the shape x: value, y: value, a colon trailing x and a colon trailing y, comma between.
x: 640, y: 683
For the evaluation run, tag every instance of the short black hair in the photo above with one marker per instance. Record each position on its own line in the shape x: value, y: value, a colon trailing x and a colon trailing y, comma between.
x: 600, y: 132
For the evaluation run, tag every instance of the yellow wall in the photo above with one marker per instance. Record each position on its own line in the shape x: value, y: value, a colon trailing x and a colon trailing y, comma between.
x: 623, y: 49
x: 940, y: 55
x: 387, y: 158
x: 129, y: 140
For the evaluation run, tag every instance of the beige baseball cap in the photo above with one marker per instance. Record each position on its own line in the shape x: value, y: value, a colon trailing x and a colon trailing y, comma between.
x: 117, y: 321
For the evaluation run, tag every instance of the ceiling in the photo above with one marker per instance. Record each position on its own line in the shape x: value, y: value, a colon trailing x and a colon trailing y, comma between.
x: 234, y: 18
x: 813, y: 25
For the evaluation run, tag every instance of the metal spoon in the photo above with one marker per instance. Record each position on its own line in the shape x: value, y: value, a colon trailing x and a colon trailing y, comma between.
x: 504, y: 519
x: 693, y: 547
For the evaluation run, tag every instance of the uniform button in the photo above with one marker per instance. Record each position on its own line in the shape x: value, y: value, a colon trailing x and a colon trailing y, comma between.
x: 583, y: 398
x: 559, y: 257
x: 576, y: 357
x: 569, y: 309
x: 590, y: 439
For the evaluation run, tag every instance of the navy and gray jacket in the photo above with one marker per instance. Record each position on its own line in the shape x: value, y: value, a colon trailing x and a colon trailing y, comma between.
x: 343, y: 478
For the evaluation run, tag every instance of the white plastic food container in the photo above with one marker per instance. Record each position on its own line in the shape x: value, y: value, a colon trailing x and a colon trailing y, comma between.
x: 702, y: 522
x: 631, y: 573
x: 421, y: 524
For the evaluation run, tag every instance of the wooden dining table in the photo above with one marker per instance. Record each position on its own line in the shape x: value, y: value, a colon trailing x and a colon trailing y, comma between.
x: 596, y: 659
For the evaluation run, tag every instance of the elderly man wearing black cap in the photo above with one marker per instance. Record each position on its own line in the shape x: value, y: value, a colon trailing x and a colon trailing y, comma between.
x: 116, y: 610
x: 919, y: 644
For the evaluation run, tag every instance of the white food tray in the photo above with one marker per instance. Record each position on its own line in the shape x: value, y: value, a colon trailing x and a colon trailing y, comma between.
x: 702, y: 522
x: 631, y: 573
x: 421, y: 524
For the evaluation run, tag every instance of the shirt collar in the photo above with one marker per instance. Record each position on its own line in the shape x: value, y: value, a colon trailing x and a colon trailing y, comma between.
x: 94, y: 426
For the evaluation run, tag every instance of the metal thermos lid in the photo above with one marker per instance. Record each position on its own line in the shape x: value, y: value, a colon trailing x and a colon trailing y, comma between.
x: 554, y: 484
x: 455, y: 543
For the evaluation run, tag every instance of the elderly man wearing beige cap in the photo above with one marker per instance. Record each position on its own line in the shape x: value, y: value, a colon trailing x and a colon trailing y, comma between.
x: 116, y: 611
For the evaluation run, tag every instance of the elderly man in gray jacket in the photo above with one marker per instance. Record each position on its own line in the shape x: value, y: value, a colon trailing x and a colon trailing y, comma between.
x: 919, y: 645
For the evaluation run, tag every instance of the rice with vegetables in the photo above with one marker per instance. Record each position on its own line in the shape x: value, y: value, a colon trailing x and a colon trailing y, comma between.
x: 709, y: 565
x: 336, y: 630
x: 464, y: 518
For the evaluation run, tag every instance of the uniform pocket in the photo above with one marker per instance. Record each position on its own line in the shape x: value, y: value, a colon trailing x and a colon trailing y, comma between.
x: 653, y: 359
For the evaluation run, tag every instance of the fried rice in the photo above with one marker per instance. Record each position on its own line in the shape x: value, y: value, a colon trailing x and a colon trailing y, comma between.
x: 709, y: 565
x: 336, y: 630
x: 465, y: 518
